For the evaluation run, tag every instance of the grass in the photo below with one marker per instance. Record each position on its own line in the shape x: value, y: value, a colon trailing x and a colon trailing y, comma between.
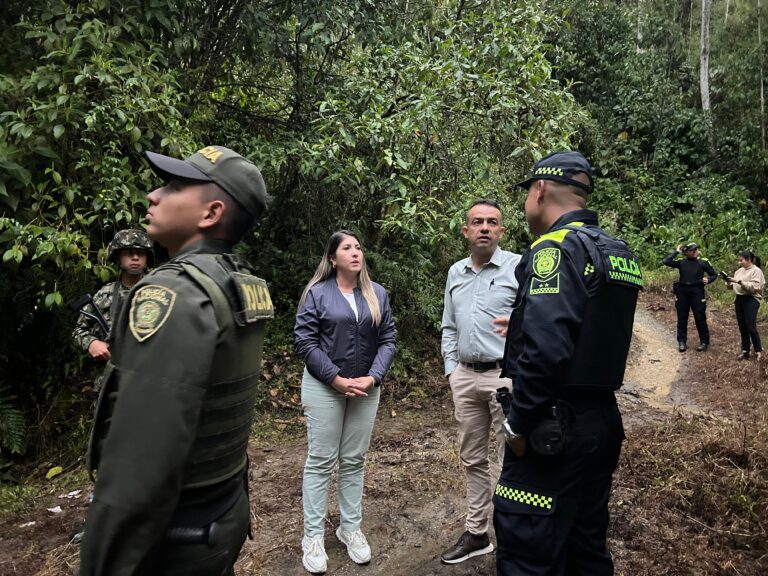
x: 691, y: 493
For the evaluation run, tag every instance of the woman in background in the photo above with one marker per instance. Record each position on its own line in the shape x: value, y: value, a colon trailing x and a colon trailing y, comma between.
x: 748, y: 283
x: 346, y: 336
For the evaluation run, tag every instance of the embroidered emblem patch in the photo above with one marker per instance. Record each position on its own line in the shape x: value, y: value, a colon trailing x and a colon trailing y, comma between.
x: 150, y: 308
x: 549, y: 285
x: 546, y: 261
x: 254, y: 294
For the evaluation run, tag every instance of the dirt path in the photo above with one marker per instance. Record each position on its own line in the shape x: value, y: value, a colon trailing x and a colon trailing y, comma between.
x: 653, y: 368
x: 414, y: 492
x: 414, y: 489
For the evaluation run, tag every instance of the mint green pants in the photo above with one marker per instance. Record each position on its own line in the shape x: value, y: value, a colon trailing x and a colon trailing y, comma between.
x: 338, y: 431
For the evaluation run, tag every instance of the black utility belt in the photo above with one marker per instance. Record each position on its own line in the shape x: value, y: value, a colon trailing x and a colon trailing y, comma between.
x: 482, y: 366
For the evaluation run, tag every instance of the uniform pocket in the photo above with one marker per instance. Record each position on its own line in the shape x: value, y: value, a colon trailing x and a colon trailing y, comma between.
x: 525, y: 515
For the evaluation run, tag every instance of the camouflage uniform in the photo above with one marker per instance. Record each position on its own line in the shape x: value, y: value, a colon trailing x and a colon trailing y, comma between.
x: 87, y: 329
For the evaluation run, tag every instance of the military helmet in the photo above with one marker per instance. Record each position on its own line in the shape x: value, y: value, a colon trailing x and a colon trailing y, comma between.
x: 125, y: 239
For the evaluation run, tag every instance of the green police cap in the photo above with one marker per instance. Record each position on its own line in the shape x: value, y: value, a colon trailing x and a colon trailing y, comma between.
x: 234, y: 174
x: 561, y: 167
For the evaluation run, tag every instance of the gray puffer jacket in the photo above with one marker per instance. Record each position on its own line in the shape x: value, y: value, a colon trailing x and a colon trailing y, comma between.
x: 331, y: 341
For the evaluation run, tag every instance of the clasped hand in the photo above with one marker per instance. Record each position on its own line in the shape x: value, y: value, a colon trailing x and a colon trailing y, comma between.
x: 353, y: 387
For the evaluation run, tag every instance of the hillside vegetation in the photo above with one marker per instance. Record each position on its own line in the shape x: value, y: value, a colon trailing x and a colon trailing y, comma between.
x: 387, y: 118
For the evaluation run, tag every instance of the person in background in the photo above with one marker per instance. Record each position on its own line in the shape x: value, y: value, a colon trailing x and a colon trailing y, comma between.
x: 695, y: 274
x: 132, y: 251
x: 479, y: 293
x: 748, y: 283
x: 345, y: 334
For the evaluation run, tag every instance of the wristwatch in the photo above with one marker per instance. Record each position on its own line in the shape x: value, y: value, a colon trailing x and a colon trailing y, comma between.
x: 509, y: 434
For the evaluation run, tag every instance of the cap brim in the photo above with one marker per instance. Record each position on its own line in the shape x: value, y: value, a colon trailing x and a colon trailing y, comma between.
x: 169, y: 168
x: 525, y: 184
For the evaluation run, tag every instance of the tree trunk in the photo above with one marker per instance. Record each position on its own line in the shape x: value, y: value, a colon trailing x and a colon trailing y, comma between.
x: 762, y: 83
x: 704, y: 56
x: 706, y: 106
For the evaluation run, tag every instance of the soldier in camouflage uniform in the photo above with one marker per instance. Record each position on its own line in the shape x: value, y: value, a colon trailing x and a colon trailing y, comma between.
x: 174, y: 414
x: 131, y: 250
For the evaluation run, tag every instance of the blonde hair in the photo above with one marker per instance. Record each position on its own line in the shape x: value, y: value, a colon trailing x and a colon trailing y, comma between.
x: 325, y: 270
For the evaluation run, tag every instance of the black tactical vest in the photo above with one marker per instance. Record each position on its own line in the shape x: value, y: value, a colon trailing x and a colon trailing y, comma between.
x: 600, y: 354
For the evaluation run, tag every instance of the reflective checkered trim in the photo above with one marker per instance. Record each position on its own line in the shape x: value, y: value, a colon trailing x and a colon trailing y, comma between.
x: 623, y: 277
x: 548, y: 170
x: 588, y: 269
x: 524, y: 497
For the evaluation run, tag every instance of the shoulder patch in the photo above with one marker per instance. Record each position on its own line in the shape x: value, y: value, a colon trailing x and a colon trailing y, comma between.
x: 623, y: 268
x: 556, y: 236
x: 254, y: 297
x: 546, y: 261
x: 150, y: 307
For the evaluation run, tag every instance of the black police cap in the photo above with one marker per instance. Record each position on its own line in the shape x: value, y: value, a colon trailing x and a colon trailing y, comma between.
x: 690, y: 246
x: 561, y: 166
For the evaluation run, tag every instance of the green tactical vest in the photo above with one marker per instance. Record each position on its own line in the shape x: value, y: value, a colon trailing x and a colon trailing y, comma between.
x: 241, y: 304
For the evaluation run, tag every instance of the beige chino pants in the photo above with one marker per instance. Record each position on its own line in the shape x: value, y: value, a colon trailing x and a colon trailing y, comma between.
x: 481, y: 440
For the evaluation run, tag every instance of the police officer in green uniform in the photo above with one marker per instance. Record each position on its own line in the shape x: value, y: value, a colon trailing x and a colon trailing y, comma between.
x: 131, y: 250
x: 174, y: 413
x: 566, y: 350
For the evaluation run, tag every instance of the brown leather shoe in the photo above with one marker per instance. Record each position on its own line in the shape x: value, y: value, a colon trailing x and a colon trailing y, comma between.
x: 469, y: 545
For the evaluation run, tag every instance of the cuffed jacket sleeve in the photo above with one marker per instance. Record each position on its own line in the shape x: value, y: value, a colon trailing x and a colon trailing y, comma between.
x: 307, y: 333
x: 87, y: 329
x: 387, y: 347
x: 332, y: 341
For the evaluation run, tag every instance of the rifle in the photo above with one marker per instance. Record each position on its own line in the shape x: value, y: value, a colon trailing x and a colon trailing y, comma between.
x: 79, y: 305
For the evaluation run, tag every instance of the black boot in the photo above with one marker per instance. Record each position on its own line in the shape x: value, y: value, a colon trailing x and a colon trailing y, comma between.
x: 681, y: 346
x: 702, y: 347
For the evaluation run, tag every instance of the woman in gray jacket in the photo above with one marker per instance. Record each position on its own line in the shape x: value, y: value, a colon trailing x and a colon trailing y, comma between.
x: 346, y: 336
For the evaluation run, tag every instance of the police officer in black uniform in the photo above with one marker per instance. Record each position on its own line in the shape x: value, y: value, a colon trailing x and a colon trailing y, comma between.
x: 566, y: 350
x: 174, y: 414
x: 695, y: 273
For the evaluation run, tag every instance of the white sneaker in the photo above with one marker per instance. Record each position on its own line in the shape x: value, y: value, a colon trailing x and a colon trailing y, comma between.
x: 357, y: 545
x: 314, y: 559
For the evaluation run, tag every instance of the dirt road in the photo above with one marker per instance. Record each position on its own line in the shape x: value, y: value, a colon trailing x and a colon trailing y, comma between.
x: 414, y: 487
x: 414, y: 492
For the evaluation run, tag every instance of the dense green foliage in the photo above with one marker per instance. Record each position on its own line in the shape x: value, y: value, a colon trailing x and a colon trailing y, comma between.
x: 386, y: 118
x: 635, y: 69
